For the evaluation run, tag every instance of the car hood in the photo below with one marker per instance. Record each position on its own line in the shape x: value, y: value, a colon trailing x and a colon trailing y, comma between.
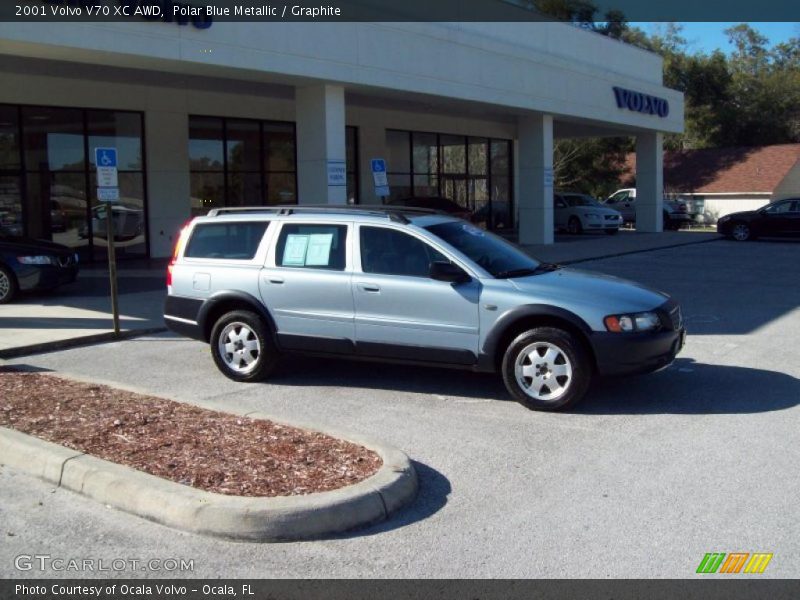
x: 597, y: 210
x: 32, y: 246
x: 585, y: 287
x: 745, y: 214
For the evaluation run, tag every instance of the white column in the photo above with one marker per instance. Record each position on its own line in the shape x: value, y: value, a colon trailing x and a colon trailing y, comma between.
x: 372, y: 144
x: 168, y: 187
x: 649, y: 182
x: 535, y: 176
x: 320, y: 144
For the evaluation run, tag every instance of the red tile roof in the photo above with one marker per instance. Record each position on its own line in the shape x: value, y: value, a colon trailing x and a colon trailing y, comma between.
x: 720, y: 170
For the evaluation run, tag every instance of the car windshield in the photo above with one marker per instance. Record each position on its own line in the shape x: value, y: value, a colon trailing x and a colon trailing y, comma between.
x: 580, y: 201
x: 499, y: 257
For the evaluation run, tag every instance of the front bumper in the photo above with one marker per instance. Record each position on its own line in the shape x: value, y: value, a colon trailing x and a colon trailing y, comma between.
x: 45, y: 277
x: 636, y: 353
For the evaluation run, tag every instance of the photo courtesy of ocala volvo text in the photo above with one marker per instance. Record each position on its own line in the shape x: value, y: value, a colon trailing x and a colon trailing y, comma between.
x: 408, y: 285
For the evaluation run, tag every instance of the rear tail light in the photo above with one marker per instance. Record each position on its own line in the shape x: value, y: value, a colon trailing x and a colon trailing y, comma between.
x: 176, y: 252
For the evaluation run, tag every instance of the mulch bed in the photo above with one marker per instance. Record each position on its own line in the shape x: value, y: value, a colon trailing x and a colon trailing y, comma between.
x: 209, y: 450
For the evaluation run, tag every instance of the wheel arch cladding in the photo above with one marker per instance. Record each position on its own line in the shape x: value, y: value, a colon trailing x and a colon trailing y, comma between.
x: 522, y: 318
x: 224, y: 302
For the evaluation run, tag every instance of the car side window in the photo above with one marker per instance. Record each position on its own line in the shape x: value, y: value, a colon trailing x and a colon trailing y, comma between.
x: 231, y: 241
x: 312, y: 246
x: 391, y: 252
x: 618, y: 198
x: 780, y: 208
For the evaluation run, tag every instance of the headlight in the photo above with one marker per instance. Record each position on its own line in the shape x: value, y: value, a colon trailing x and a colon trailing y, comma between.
x: 646, y: 321
x: 591, y: 216
x: 37, y: 260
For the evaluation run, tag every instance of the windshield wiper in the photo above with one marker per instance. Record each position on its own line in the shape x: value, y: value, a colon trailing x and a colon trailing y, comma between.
x: 542, y: 268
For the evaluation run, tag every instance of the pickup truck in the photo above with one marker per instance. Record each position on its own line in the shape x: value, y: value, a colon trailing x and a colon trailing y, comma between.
x: 676, y: 213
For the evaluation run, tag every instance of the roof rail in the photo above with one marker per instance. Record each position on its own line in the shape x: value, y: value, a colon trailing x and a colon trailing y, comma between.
x: 394, y: 213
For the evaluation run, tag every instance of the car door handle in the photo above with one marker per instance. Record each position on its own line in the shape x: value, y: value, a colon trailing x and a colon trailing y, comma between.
x: 276, y: 280
x: 369, y: 287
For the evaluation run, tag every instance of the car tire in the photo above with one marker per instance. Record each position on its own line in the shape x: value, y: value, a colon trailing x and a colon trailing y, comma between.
x: 741, y: 231
x: 242, y: 346
x: 612, y: 231
x: 574, y: 226
x: 8, y: 285
x: 564, y: 362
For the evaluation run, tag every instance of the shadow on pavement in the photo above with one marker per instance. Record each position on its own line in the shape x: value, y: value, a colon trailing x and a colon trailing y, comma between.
x: 304, y: 371
x: 692, y: 388
x: 431, y: 498
x: 687, y: 387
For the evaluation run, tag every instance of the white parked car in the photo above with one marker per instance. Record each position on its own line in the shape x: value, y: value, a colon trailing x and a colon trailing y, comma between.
x: 577, y: 213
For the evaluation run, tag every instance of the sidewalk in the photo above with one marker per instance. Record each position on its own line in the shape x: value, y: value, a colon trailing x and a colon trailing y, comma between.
x: 571, y: 249
x: 81, y: 312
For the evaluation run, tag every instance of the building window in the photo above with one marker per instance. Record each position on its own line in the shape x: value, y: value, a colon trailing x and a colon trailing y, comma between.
x: 48, y: 180
x: 475, y: 172
x: 241, y: 162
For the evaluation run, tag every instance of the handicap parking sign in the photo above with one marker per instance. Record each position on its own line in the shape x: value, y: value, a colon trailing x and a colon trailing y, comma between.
x: 105, y: 157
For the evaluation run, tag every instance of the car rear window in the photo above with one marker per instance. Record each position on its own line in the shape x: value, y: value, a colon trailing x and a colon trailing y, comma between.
x: 232, y: 241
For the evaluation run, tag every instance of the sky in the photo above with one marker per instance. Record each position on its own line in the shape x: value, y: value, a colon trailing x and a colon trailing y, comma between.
x: 707, y: 37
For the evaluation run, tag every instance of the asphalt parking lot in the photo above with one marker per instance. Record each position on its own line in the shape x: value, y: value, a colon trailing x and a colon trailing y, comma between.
x: 641, y: 480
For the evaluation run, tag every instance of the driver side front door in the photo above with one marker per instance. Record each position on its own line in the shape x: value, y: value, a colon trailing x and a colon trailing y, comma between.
x: 400, y: 312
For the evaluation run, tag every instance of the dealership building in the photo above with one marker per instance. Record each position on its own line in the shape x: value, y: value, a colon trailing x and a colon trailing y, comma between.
x: 263, y: 113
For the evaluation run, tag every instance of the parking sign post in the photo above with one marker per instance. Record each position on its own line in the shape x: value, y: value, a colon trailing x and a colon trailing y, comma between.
x: 108, y: 193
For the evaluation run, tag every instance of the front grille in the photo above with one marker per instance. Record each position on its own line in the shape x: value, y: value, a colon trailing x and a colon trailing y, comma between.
x: 611, y: 217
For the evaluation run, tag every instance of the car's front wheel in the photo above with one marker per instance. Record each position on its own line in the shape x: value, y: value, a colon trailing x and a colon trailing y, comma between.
x: 242, y: 346
x: 574, y: 225
x: 741, y: 232
x: 8, y: 285
x: 546, y: 369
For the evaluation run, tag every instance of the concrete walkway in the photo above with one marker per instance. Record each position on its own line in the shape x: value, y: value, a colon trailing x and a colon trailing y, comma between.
x: 570, y: 249
x: 81, y: 312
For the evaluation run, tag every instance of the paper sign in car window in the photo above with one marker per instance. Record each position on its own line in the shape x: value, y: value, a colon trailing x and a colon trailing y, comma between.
x: 319, y: 250
x: 294, y: 253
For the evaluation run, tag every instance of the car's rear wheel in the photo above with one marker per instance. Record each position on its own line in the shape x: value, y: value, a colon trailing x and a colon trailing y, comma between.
x: 8, y: 285
x: 242, y: 346
x: 574, y: 225
x: 546, y: 369
x: 741, y: 232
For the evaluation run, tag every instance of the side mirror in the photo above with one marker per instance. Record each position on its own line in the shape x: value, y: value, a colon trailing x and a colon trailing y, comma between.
x: 446, y: 271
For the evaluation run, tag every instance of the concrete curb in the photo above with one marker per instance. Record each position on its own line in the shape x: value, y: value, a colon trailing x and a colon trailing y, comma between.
x: 84, y: 340
x: 232, y: 517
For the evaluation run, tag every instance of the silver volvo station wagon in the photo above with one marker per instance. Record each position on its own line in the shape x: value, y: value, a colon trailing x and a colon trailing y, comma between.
x: 408, y: 285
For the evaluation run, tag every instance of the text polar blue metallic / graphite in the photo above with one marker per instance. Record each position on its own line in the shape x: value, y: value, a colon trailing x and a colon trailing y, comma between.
x: 643, y: 103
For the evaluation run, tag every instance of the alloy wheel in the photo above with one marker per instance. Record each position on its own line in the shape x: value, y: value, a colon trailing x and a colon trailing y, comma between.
x: 543, y: 371
x: 741, y: 232
x: 5, y: 285
x: 239, y: 347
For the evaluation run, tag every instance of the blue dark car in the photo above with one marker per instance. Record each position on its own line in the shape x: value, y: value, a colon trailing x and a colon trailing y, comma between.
x: 28, y: 264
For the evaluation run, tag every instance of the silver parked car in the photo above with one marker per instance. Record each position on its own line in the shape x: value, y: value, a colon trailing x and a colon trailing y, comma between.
x: 577, y: 213
x: 408, y: 285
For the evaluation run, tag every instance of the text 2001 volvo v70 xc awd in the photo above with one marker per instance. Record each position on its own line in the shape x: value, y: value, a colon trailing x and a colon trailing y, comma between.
x: 401, y: 284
